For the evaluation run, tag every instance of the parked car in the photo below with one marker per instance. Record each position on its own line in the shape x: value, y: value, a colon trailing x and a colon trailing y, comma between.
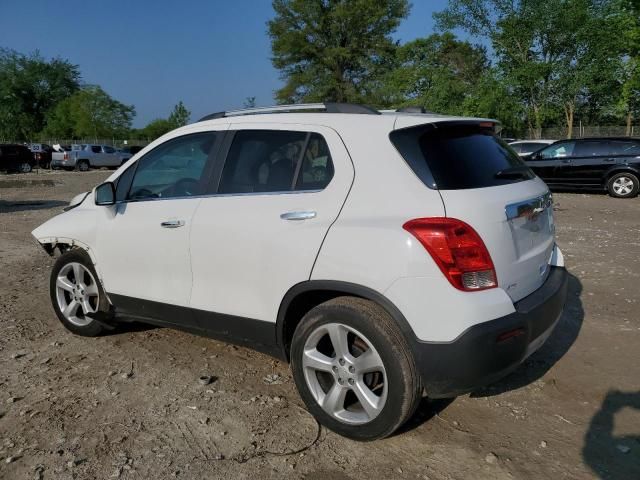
x: 527, y: 147
x: 16, y: 158
x: 611, y: 164
x: 42, y: 154
x: 85, y: 156
x: 370, y: 250
x: 131, y: 150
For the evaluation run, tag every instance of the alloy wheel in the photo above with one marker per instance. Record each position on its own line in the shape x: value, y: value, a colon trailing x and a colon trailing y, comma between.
x: 77, y: 293
x: 344, y: 373
x: 622, y: 186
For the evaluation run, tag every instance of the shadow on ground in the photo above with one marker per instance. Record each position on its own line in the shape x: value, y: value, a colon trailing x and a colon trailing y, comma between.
x: 8, y: 206
x: 612, y: 456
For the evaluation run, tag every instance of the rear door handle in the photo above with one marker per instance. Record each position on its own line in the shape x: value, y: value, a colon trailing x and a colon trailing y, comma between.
x: 172, y: 224
x: 306, y: 215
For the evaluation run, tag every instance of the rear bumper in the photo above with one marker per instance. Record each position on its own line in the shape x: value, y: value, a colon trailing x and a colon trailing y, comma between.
x: 480, y: 356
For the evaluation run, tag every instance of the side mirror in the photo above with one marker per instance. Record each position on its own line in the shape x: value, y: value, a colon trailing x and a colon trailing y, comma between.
x: 105, y: 194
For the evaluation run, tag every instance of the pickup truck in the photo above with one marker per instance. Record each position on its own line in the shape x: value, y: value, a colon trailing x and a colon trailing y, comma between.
x: 85, y: 156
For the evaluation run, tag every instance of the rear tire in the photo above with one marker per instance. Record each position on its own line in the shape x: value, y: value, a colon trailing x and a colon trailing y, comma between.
x: 75, y: 291
x: 83, y: 165
x: 25, y: 167
x: 623, y: 185
x: 369, y: 385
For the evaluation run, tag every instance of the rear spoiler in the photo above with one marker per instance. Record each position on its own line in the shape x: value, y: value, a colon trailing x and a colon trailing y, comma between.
x: 428, y: 121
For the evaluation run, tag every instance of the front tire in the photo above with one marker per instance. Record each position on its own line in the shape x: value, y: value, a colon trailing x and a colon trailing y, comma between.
x: 623, y: 185
x: 76, y: 292
x: 354, y: 369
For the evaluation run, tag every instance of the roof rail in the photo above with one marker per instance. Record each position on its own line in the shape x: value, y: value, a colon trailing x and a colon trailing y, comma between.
x: 328, y: 107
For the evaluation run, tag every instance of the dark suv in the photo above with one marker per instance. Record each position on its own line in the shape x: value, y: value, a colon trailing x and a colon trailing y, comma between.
x: 16, y: 158
x: 612, y: 164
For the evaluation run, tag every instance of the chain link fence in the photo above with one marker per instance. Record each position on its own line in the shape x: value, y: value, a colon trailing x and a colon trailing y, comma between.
x: 581, y: 131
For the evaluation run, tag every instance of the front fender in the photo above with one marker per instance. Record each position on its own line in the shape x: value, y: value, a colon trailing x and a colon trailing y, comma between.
x: 74, y: 228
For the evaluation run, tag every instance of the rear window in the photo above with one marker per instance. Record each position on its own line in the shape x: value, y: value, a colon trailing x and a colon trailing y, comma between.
x: 459, y: 157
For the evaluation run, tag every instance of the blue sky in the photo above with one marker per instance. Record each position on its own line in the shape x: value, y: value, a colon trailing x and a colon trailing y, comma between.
x: 209, y: 54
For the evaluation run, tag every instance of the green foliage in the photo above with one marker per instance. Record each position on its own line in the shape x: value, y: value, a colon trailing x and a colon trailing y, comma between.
x: 179, y: 117
x: 438, y: 73
x: 333, y: 50
x: 90, y: 112
x: 30, y: 87
x: 558, y: 57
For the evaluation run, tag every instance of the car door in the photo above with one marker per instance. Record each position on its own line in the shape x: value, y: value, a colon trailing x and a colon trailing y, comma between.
x: 551, y: 162
x: 278, y: 193
x: 591, y: 159
x: 143, y: 240
x: 110, y: 157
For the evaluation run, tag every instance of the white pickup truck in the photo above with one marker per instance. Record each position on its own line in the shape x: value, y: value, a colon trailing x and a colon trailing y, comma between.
x: 85, y: 156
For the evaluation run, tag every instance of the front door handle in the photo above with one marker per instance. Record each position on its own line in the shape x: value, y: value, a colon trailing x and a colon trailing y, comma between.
x: 306, y: 215
x: 172, y: 224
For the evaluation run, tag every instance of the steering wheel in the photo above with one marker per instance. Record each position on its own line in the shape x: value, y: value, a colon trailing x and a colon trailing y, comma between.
x: 185, y: 187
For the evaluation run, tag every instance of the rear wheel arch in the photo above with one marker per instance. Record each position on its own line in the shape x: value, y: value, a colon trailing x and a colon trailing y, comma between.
x: 620, y: 169
x: 304, y: 296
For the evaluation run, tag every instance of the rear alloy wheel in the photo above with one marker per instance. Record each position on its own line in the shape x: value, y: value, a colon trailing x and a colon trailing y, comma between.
x: 83, y: 165
x: 354, y: 369
x: 623, y: 185
x: 76, y: 293
x: 25, y: 167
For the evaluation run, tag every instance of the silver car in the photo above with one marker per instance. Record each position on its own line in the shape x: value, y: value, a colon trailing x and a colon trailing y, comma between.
x: 85, y: 156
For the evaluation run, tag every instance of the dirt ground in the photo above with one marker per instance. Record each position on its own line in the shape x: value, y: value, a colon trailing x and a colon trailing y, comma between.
x: 130, y: 404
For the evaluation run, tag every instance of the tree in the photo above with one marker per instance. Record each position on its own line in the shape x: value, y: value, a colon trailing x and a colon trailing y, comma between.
x: 542, y: 48
x: 90, y: 112
x: 179, y: 117
x: 30, y: 87
x: 333, y: 50
x: 154, y: 129
x: 249, y: 102
x: 437, y: 72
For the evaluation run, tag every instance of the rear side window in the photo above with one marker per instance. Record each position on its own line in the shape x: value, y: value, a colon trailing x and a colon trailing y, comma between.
x: 619, y: 147
x: 459, y: 157
x: 262, y: 161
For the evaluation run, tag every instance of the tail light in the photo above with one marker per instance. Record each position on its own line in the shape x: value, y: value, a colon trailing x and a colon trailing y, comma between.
x: 457, y: 249
x: 65, y: 156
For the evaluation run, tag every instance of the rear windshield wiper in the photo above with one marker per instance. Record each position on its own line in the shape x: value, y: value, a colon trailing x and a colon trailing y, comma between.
x: 515, y: 172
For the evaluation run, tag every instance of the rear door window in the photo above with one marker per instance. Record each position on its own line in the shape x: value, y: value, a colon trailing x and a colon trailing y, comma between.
x: 95, y: 148
x: 262, y: 161
x: 592, y: 149
x: 453, y: 157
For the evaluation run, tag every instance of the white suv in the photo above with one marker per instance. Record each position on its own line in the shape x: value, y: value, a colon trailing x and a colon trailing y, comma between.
x: 383, y: 255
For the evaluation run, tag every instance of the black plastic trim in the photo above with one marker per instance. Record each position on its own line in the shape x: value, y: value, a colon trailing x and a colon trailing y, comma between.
x: 343, y: 288
x: 255, y: 334
x: 476, y: 358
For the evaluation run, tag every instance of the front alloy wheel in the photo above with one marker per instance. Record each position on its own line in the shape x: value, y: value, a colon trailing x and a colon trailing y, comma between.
x: 76, y: 293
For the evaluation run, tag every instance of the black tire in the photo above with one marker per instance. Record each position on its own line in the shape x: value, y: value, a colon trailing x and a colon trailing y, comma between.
x: 403, y: 382
x: 83, y: 165
x: 93, y: 328
x: 25, y: 167
x: 617, y: 192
